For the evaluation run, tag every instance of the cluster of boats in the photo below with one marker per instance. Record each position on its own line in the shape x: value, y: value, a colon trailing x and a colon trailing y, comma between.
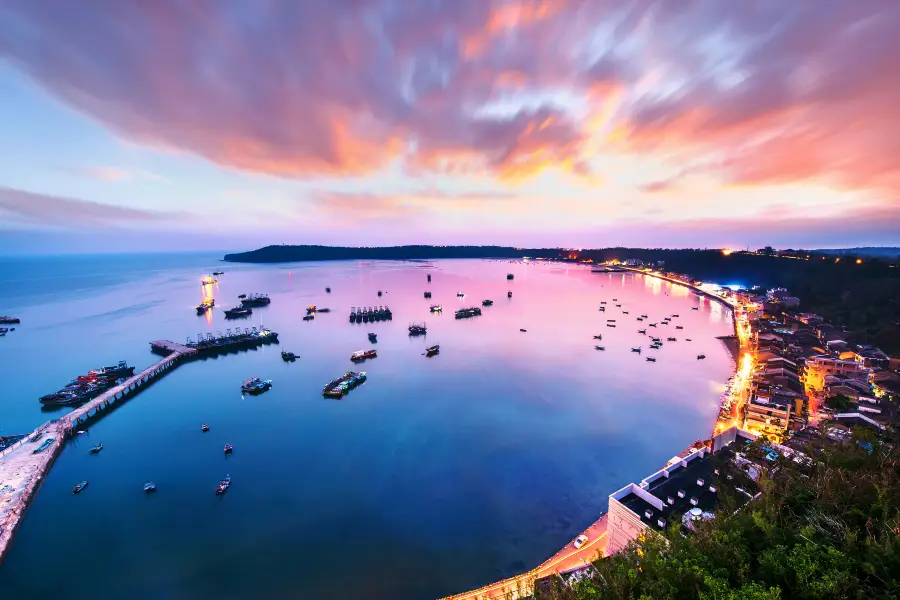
x: 370, y: 314
x: 255, y: 386
x: 89, y: 386
x: 232, y: 340
x: 465, y: 313
x: 336, y: 388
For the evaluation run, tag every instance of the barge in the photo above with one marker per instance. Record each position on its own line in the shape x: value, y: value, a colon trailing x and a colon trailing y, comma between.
x: 337, y: 388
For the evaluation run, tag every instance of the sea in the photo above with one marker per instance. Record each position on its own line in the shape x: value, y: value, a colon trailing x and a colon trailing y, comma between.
x: 438, y: 475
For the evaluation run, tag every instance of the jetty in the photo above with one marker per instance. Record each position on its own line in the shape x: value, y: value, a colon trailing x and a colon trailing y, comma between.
x: 25, y: 463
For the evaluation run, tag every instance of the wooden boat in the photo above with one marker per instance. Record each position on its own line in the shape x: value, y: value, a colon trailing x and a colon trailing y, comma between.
x: 523, y: 330
x: 204, y: 428
x: 223, y: 485
x: 255, y: 385
x: 651, y: 359
x: 638, y: 349
x: 598, y: 337
x: 509, y: 294
x: 328, y: 290
x: 701, y: 356
x: 149, y: 487
x: 373, y: 338
x: 229, y: 448
x: 599, y: 348
x: 96, y: 449
x: 288, y: 356
x: 432, y: 350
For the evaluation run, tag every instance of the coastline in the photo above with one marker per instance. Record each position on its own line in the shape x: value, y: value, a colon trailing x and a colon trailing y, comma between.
x: 519, y: 585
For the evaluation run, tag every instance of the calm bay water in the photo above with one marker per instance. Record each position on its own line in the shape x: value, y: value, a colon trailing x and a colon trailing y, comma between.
x: 436, y: 476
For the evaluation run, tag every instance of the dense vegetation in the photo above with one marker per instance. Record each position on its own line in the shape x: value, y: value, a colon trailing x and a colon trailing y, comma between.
x: 825, y: 531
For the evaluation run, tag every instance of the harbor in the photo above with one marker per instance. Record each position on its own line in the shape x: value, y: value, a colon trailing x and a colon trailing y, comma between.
x: 24, y: 465
x: 422, y: 415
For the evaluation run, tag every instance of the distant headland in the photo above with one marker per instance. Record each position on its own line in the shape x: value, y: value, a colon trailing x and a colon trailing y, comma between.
x: 276, y: 254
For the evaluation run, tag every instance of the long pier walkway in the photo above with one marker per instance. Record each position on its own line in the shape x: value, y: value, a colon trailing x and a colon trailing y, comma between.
x: 23, y: 468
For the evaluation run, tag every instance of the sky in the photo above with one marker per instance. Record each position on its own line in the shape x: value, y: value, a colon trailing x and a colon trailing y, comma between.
x: 129, y: 125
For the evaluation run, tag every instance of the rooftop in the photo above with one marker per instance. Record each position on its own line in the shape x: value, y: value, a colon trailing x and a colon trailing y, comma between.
x: 698, y: 485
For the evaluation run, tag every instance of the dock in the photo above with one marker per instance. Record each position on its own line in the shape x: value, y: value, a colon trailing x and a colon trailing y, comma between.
x: 22, y: 470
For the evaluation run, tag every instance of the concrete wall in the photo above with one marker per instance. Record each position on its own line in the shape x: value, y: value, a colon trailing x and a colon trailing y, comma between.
x: 622, y: 525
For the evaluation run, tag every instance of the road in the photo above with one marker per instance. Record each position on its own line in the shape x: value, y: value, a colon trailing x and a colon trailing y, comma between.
x: 567, y: 559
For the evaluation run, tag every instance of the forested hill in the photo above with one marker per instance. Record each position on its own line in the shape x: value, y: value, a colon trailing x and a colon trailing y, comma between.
x: 273, y: 254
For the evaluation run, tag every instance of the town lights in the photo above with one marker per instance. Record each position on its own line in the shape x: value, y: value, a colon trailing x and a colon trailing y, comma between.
x: 727, y: 251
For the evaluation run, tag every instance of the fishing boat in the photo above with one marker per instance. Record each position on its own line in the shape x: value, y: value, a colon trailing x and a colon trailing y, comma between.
x: 675, y: 316
x: 288, y: 356
x: 618, y: 306
x: 679, y: 327
x: 429, y: 278
x: 602, y: 309
x: 639, y: 319
x: 671, y: 339
x: 149, y: 487
x: 418, y: 329
x: 487, y: 302
x: 652, y: 324
x: 599, y: 348
x: 205, y: 305
x: 644, y: 316
x: 687, y: 339
x: 81, y: 485
x: 5, y: 320
x: 361, y: 355
x: 310, y: 309
x: 428, y: 294
x: 254, y: 300
x: 651, y: 359
x: 324, y: 310
x: 696, y: 308
x: 638, y: 349
x: 624, y: 312
x: 466, y: 313
x: 229, y: 448
x: 217, y: 273
x: 436, y: 308
x: 510, y: 276
x: 610, y: 324
x: 111, y: 372
x: 379, y: 293
x: 432, y: 350
x: 204, y: 428
x: 509, y: 294
x: 459, y: 294
x: 603, y: 302
x: 255, y: 385
x: 523, y: 330
x: 309, y: 318
x: 241, y: 296
x: 328, y: 290
x: 223, y: 485
x: 96, y: 449
x: 701, y: 356
x: 238, y: 312
x: 598, y: 337
x: 208, y: 280
x: 642, y: 331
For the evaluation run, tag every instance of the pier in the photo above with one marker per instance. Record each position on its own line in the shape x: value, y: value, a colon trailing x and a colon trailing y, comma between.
x: 22, y: 470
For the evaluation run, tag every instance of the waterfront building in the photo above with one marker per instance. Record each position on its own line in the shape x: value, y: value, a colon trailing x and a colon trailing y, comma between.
x: 684, y: 492
x: 817, y: 368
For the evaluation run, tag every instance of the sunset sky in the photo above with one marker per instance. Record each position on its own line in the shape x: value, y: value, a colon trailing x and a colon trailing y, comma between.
x: 128, y: 125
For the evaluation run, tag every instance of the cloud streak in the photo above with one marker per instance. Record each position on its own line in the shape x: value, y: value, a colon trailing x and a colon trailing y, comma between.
x: 19, y: 208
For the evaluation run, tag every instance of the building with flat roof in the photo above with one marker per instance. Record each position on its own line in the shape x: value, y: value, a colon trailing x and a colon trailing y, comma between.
x: 683, y: 492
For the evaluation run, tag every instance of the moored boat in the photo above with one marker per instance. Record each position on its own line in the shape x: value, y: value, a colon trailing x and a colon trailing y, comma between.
x: 360, y: 355
x: 217, y: 273
x: 510, y: 276
x: 598, y: 337
x: 432, y: 350
x: 310, y: 309
x: 328, y: 290
x: 80, y: 486
x: 651, y: 359
x: 701, y: 356
x: 238, y: 312
x: 436, y: 308
x: 229, y: 448
x: 638, y: 349
x: 254, y: 300
x: 642, y: 331
x: 46, y: 444
x: 599, y: 348
x: 373, y: 338
x: 5, y: 320
x: 204, y: 428
x: 459, y: 294
x: 208, y: 280
x: 288, y: 356
x: 427, y: 294
x: 255, y: 385
x: 223, y: 485
x: 96, y: 449
x: 509, y: 294
x: 417, y: 329
x: 205, y: 305
x: 149, y: 487
x: 487, y: 302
